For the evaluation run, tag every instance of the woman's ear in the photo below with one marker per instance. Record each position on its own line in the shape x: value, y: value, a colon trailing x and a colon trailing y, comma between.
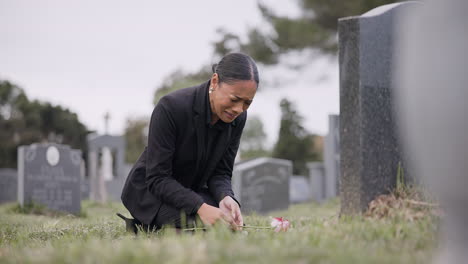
x: 214, y: 81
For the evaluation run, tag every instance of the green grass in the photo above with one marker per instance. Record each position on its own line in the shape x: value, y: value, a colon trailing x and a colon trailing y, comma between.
x: 317, y: 236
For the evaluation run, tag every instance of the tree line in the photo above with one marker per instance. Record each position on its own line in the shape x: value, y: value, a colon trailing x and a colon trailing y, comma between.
x: 24, y: 122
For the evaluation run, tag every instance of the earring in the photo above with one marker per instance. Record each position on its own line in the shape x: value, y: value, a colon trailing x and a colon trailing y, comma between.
x: 211, y: 89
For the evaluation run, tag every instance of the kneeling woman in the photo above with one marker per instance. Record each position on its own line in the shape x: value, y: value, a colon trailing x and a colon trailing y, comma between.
x: 194, y: 135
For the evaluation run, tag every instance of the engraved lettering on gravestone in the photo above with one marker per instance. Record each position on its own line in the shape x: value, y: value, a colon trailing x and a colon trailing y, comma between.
x: 39, y: 195
x: 75, y: 158
x: 52, y: 189
x: 55, y: 174
x: 52, y: 155
x: 30, y: 154
x: 267, y: 179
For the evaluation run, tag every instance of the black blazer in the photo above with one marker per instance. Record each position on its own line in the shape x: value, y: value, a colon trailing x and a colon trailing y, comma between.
x: 166, y: 170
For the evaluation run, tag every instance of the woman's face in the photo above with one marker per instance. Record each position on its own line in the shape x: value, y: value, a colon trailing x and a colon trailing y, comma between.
x: 229, y: 100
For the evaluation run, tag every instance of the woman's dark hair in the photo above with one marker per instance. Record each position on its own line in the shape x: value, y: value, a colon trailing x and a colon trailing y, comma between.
x: 236, y: 66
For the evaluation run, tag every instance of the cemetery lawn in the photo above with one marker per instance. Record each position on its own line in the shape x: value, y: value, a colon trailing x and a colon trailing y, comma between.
x: 316, y: 236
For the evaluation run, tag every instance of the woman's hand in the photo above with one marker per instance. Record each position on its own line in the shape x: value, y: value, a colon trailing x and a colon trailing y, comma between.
x: 210, y: 215
x: 230, y: 207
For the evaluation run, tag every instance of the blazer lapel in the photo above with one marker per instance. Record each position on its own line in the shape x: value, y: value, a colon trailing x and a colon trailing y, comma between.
x: 199, y: 123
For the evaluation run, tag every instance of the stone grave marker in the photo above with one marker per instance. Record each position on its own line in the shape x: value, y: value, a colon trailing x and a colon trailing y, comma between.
x: 84, y: 182
x: 8, y: 185
x: 106, y: 181
x: 262, y: 185
x: 317, y: 180
x: 299, y: 189
x: 114, y: 188
x: 331, y: 156
x: 370, y: 155
x: 85, y: 189
x: 49, y: 174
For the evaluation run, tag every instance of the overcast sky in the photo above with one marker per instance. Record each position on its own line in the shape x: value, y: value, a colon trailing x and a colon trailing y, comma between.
x: 108, y: 55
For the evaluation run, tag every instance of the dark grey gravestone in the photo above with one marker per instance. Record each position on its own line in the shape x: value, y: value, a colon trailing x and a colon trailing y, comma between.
x: 49, y: 174
x: 299, y: 189
x: 331, y: 157
x: 370, y: 155
x: 85, y: 189
x: 8, y: 185
x: 114, y: 188
x: 262, y: 185
x: 317, y: 181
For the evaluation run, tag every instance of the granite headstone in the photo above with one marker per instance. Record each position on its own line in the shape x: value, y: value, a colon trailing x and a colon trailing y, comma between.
x: 370, y: 155
x: 84, y: 182
x: 317, y: 180
x: 114, y: 188
x: 98, y: 145
x: 8, y: 185
x: 49, y: 174
x: 85, y: 189
x: 331, y: 157
x: 262, y: 185
x: 299, y: 189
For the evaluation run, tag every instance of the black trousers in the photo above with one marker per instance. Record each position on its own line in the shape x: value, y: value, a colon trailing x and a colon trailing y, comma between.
x: 169, y: 215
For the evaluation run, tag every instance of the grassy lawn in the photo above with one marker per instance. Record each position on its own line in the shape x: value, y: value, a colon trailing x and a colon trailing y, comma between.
x: 317, y: 236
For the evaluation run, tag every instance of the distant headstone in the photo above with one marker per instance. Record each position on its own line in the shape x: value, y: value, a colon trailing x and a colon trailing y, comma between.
x: 331, y: 157
x: 262, y: 185
x: 317, y: 180
x: 299, y: 189
x: 49, y: 174
x: 110, y: 169
x: 85, y: 189
x: 84, y: 182
x: 370, y: 156
x: 114, y: 188
x: 106, y: 164
x: 8, y: 185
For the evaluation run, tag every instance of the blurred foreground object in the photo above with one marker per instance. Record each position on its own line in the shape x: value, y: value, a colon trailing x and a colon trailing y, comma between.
x: 431, y: 85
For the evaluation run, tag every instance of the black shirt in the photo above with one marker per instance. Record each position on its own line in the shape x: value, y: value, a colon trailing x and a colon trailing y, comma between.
x: 211, y: 136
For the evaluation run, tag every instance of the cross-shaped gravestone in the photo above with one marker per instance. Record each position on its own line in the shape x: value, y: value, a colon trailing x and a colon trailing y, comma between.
x: 106, y: 123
